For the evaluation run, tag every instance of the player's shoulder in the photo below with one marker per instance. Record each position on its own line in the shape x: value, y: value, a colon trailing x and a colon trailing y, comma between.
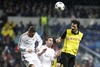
x: 23, y: 35
x: 80, y: 33
x: 52, y: 50
x: 43, y: 46
x: 68, y: 29
x: 36, y: 34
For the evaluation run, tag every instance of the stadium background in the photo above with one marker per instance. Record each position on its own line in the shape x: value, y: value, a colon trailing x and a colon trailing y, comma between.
x: 17, y: 15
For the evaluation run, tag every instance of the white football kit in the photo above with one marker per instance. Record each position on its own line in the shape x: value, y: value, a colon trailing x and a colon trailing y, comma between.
x: 47, y: 57
x: 25, y: 43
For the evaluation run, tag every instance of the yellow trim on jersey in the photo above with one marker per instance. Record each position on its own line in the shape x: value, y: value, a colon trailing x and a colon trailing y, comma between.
x: 54, y: 63
x: 71, y: 42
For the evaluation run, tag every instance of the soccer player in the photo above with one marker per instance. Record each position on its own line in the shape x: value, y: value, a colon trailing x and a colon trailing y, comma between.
x: 72, y: 38
x: 47, y: 53
x: 27, y: 47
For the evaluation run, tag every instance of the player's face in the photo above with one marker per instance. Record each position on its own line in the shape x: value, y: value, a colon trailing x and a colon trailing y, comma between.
x: 74, y: 27
x: 49, y: 42
x: 31, y: 34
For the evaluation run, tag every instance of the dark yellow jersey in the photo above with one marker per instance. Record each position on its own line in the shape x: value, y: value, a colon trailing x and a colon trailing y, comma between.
x: 71, y: 42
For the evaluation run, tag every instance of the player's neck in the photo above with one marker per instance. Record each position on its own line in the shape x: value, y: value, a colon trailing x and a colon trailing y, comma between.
x: 48, y: 46
x: 28, y: 35
x: 75, y: 31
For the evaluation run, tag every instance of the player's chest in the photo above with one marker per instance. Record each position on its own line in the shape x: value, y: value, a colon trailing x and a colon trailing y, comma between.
x: 73, y: 37
x: 30, y: 40
x: 48, y: 53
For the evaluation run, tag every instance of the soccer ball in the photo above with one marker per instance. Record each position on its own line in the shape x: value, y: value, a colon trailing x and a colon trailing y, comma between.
x: 60, y: 6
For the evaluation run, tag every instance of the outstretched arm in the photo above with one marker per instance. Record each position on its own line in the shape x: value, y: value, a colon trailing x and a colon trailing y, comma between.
x: 39, y: 40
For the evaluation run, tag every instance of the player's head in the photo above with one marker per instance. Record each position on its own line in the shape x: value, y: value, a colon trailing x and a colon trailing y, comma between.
x: 75, y: 25
x: 31, y: 31
x: 49, y: 41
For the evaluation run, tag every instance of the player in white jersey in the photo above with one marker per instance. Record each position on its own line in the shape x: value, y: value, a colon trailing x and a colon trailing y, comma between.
x: 27, y: 47
x: 47, y: 54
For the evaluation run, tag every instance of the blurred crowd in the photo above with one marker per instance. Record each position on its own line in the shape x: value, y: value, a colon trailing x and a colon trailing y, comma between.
x: 37, y: 8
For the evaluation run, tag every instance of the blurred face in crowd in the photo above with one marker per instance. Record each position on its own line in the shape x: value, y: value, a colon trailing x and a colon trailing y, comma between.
x: 49, y: 42
x: 74, y: 27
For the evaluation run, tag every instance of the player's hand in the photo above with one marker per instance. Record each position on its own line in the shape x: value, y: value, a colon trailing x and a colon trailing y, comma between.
x: 30, y: 50
x: 58, y: 52
x: 58, y: 40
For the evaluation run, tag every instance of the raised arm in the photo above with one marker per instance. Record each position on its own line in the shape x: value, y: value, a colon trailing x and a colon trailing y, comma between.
x: 39, y: 40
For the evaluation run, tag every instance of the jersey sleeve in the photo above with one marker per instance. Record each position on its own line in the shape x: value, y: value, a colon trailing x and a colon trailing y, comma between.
x: 63, y: 35
x: 82, y: 38
x: 39, y: 40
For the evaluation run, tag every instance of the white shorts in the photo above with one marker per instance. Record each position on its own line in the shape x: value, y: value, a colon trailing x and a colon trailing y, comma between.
x: 31, y: 60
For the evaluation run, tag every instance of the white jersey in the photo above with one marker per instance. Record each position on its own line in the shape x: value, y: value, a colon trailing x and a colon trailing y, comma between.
x: 26, y: 42
x: 47, y: 57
